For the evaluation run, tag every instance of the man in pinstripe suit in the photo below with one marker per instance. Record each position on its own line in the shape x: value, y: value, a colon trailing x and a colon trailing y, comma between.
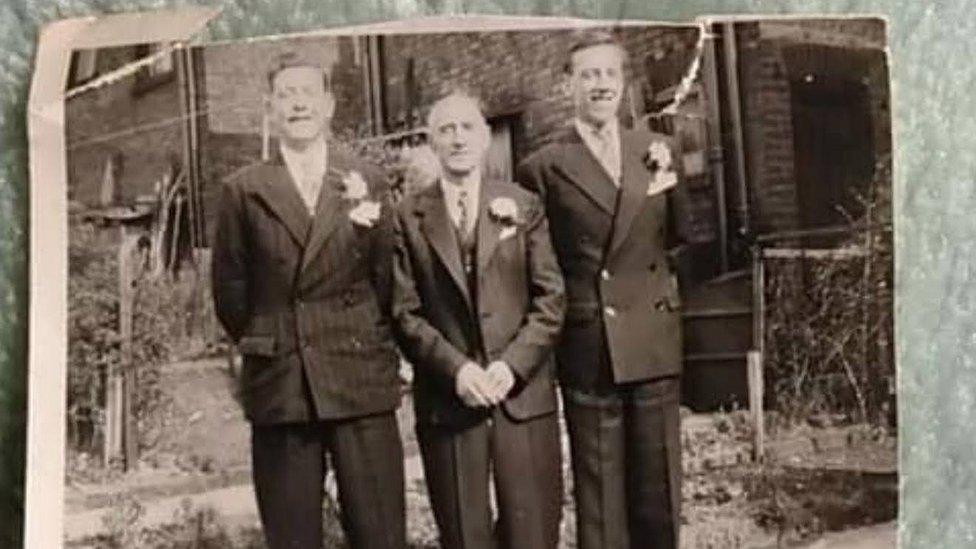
x: 301, y: 282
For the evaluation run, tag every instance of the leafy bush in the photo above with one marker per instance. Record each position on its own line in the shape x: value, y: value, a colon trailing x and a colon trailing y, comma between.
x: 172, y: 319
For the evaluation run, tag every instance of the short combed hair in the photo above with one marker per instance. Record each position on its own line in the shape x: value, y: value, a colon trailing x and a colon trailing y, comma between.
x: 456, y: 94
x: 290, y: 59
x: 591, y: 38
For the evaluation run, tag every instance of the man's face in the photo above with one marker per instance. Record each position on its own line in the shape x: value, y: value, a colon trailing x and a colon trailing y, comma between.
x: 459, y: 136
x: 597, y: 83
x: 300, y: 105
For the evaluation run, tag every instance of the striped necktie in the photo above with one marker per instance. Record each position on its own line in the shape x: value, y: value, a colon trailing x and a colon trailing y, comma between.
x: 464, y: 217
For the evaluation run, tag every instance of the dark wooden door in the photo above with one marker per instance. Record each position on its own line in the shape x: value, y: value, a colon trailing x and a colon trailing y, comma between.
x: 833, y: 150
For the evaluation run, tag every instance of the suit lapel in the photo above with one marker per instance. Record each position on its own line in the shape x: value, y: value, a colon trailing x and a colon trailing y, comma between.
x: 488, y: 229
x: 633, y: 189
x: 439, y: 231
x: 580, y: 166
x: 329, y: 209
x: 279, y: 195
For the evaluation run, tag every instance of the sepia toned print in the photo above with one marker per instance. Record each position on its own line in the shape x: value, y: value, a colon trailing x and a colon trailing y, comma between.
x: 617, y: 286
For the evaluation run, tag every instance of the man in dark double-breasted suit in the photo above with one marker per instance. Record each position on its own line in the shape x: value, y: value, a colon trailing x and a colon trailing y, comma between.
x: 479, y: 304
x: 302, y: 284
x: 610, y: 195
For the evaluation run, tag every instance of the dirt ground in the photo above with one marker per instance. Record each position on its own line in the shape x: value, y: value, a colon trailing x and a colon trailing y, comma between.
x: 814, y: 484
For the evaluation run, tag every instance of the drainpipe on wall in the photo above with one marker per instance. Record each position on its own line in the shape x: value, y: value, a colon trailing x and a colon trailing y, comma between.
x: 715, y: 152
x: 731, y: 63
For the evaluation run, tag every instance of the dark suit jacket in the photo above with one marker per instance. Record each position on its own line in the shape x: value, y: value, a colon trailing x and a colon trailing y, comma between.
x: 306, y: 299
x: 515, y: 316
x: 622, y: 319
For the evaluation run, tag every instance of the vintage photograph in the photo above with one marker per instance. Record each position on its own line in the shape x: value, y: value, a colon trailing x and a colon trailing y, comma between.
x: 587, y: 286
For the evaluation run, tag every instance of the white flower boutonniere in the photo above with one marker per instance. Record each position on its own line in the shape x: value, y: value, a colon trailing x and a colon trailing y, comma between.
x: 660, y: 163
x: 505, y: 211
x: 354, y: 187
x: 364, y: 212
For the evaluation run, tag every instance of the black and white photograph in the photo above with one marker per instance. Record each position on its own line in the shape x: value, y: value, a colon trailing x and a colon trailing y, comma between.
x: 527, y: 285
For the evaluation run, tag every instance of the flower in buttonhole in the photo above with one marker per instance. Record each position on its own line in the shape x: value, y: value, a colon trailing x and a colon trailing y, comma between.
x: 659, y: 161
x: 354, y: 186
x: 504, y: 210
x: 366, y: 213
x: 658, y: 156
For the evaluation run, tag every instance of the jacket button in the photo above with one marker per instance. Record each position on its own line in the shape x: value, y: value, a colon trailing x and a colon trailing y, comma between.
x: 652, y: 267
x: 605, y: 274
x: 610, y: 311
x: 660, y: 305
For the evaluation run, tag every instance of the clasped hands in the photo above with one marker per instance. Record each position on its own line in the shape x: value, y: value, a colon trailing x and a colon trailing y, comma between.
x: 481, y: 387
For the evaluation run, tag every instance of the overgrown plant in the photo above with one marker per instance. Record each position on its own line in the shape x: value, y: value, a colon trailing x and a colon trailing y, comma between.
x: 829, y: 353
x: 172, y: 319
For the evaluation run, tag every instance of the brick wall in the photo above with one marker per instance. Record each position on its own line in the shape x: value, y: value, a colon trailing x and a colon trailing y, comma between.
x: 144, y: 129
x: 234, y: 77
x: 521, y: 72
x: 768, y: 131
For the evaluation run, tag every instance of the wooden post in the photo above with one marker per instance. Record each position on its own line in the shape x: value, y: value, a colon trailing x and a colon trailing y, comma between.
x: 755, y: 375
x: 114, y: 386
x: 128, y: 255
x: 754, y: 362
x: 112, y: 443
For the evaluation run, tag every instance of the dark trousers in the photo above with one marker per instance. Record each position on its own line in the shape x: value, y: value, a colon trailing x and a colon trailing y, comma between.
x: 626, y: 454
x: 289, y: 463
x: 525, y: 460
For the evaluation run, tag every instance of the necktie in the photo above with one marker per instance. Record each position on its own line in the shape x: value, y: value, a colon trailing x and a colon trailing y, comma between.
x: 608, y: 153
x: 463, y: 215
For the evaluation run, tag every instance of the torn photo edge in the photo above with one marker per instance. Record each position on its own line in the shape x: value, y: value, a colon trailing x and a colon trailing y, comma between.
x: 47, y: 317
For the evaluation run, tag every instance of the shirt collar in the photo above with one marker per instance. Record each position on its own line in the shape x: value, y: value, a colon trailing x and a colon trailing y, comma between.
x: 588, y: 131
x: 452, y: 195
x: 313, y: 158
x: 472, y: 185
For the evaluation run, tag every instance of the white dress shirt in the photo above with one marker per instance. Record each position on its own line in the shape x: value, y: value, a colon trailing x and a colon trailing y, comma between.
x: 466, y: 191
x: 604, y: 143
x: 307, y: 169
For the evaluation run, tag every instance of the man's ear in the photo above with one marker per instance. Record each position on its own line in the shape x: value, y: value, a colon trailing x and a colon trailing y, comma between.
x: 565, y: 84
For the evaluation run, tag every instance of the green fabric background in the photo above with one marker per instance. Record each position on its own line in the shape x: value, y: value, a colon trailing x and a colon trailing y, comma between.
x: 932, y: 49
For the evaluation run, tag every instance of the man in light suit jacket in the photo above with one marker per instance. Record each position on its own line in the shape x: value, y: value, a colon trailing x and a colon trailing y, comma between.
x: 611, y: 196
x: 302, y: 275
x: 478, y: 305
